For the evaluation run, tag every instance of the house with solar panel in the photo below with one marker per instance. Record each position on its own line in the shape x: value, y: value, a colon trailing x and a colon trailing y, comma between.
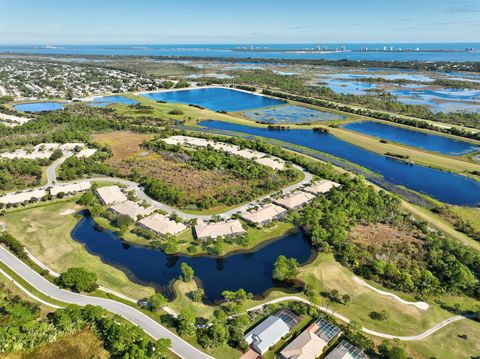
x: 312, y: 342
x: 271, y: 330
x: 345, y: 350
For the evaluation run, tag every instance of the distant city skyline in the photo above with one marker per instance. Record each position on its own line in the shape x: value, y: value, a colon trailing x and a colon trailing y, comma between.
x: 245, y: 22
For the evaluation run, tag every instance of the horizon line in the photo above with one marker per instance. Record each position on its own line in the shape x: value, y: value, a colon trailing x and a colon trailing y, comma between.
x: 235, y: 43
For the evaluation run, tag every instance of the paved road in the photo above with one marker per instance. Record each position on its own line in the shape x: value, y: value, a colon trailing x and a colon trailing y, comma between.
x: 420, y: 336
x: 161, y: 206
x: 154, y: 329
x: 151, y: 327
x: 52, y: 169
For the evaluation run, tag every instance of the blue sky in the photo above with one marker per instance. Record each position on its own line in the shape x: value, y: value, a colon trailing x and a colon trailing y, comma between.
x: 241, y: 21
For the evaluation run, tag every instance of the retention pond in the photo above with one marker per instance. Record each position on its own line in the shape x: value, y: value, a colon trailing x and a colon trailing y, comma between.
x: 251, y: 271
x: 441, y: 185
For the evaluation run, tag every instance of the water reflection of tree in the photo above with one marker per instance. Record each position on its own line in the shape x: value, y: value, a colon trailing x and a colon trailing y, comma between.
x: 172, y: 261
x: 220, y: 264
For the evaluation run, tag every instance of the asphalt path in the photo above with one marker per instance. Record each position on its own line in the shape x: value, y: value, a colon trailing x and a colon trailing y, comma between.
x: 151, y: 327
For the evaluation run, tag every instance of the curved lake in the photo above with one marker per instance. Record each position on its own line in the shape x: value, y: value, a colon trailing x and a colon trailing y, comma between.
x: 215, y: 98
x: 426, y: 141
x: 444, y: 186
x: 153, y: 267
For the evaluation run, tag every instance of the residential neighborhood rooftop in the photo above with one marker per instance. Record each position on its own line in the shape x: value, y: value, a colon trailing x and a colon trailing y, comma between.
x: 219, y: 229
x: 322, y: 186
x: 42, y: 150
x: 267, y: 334
x: 15, y: 198
x: 12, y: 121
x: 132, y: 209
x: 111, y: 195
x: 259, y: 157
x: 312, y: 341
x: 70, y: 188
x: 345, y: 350
x: 88, y: 152
x: 162, y: 225
x: 274, y: 163
x: 264, y: 214
x: 295, y: 199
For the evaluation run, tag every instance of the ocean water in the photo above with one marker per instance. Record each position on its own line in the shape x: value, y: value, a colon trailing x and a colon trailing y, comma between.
x: 294, y: 51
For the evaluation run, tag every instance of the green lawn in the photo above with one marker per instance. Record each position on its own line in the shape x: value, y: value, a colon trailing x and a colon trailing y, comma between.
x: 440, y: 224
x: 470, y: 214
x: 45, y: 231
x: 447, y: 343
x: 325, y: 274
x: 182, y: 300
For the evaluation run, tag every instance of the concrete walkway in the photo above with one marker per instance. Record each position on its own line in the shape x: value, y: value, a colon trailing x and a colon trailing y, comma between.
x: 151, y: 327
x: 154, y: 329
x: 419, y: 305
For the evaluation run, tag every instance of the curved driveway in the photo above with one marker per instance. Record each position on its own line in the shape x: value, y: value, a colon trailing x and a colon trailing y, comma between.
x: 151, y: 327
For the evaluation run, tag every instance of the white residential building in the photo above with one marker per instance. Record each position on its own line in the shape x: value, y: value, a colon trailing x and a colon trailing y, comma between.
x: 131, y: 209
x: 111, y: 195
x: 322, y: 186
x: 274, y: 163
x: 265, y: 214
x: 87, y: 152
x: 161, y: 225
x: 18, y: 198
x: 267, y: 334
x: 221, y: 229
x: 70, y: 188
x: 295, y: 200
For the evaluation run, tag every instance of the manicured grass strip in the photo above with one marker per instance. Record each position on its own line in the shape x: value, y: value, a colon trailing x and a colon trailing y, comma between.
x: 46, y: 232
x: 29, y: 288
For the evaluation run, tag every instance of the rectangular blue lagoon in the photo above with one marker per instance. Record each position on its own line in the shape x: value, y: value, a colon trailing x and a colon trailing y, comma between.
x: 423, y: 140
x: 39, y: 106
x: 216, y: 99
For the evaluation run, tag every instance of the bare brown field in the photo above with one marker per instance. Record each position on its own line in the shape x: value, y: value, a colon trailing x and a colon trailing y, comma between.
x: 380, y: 234
x: 193, y: 182
x: 123, y: 143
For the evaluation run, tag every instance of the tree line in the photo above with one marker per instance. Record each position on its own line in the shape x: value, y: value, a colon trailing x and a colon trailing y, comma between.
x: 23, y: 329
